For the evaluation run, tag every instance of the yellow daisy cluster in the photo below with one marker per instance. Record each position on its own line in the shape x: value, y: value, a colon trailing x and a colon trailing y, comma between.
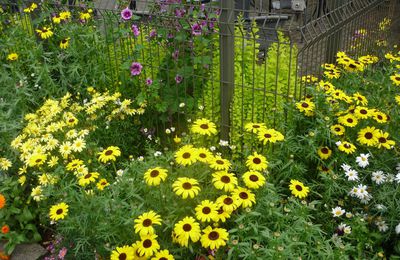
x: 31, y: 8
x: 348, y: 63
x: 57, y: 135
x: 265, y: 135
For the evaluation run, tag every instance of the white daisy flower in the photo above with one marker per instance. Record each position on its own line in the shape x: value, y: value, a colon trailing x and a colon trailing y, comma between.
x: 380, y: 207
x: 382, y: 226
x: 362, y: 192
x: 345, y: 228
x: 352, y: 175
x: 397, y: 178
x: 397, y: 229
x: 346, y: 167
x: 378, y: 177
x: 353, y: 192
x: 398, y: 167
x: 362, y: 160
x: 337, y: 212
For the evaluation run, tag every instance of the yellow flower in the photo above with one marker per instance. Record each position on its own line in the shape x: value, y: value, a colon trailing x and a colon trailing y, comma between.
x: 207, y: 211
x: 102, y: 184
x: 144, y: 223
x: 45, y: 32
x: 65, y: 15
x: 177, y: 139
x: 5, y: 164
x: 270, y: 135
x: 306, y: 106
x: 56, y: 19
x: 204, y: 155
x: 187, y: 229
x: 31, y: 8
x: 125, y: 252
x: 58, y: 211
x: 257, y: 162
x: 154, y: 176
x: 223, y: 180
x: 254, y: 127
x: 186, y: 187
x: 383, y: 140
x: 186, y: 155
x: 214, y: 238
x: 109, y: 154
x: 337, y: 129
x: 220, y: 164
x: 163, y: 255
x: 368, y: 136
x: 37, y: 160
x: 309, y: 79
x: 348, y: 120
x: 12, y: 56
x: 253, y: 179
x: 346, y: 147
x: 204, y: 126
x: 148, y: 245
x: 228, y: 203
x: 244, y: 197
x: 324, y: 152
x: 298, y: 189
x: 396, y: 79
x: 64, y: 43
x: 88, y: 178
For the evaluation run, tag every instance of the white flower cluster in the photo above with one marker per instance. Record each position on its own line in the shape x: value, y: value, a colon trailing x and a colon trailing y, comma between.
x: 361, y: 193
x: 397, y: 178
x: 382, y: 226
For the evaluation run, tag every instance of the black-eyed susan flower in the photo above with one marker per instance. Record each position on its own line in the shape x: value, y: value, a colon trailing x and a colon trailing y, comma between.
x: 214, y: 238
x: 395, y: 79
x: 306, y: 106
x: 325, y: 86
x: 102, y: 184
x: 109, y: 154
x: 31, y: 8
x: 186, y: 155
x: 360, y: 99
x: 206, y: 211
x: 85, y: 16
x: 204, y: 126
x: 187, y: 229
x: 253, y: 179
x: 383, y: 140
x: 154, y: 176
x: 137, y: 255
x: 228, y: 203
x: 337, y: 129
x: 380, y: 117
x: 256, y: 162
x: 223, y: 215
x: 124, y: 252
x: 244, y: 196
x: 186, y: 187
x: 58, y: 211
x: 346, y: 147
x: 309, y: 79
x: 74, y: 164
x: 362, y: 112
x: 368, y: 136
x: 270, y: 135
x: 56, y: 19
x: 298, y: 189
x: 324, y: 152
x: 37, y: 159
x: 348, y: 120
x: 332, y: 74
x: 254, y: 127
x: 144, y: 223
x: 88, y: 178
x: 204, y: 155
x: 45, y: 32
x: 220, y: 164
x: 163, y: 255
x: 148, y: 246
x: 223, y: 180
x: 65, y: 15
x: 12, y: 56
x: 64, y: 43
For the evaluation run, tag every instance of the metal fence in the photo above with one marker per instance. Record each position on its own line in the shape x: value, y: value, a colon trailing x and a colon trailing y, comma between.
x: 222, y: 62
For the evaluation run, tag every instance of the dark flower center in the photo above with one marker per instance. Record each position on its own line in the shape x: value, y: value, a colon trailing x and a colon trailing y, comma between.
x: 87, y: 176
x: 147, y: 243
x: 122, y: 256
x: 379, y: 117
x: 162, y: 258
x: 267, y: 136
x: 337, y: 129
x: 44, y: 31
x: 186, y: 155
x: 71, y: 120
x: 368, y: 135
x: 204, y: 126
x: 38, y: 160
x: 397, y: 78
x: 353, y: 66
x: 219, y: 162
x: 154, y: 173
x: 256, y: 126
x: 243, y: 195
x: 257, y: 160
x: 147, y: 222
x: 64, y: 41
x: 187, y: 227
x: 187, y: 186
x: 299, y: 188
x: 228, y: 201
x: 213, y: 235
x: 253, y: 178
x: 304, y: 104
x: 202, y: 155
x: 225, y: 179
x: 382, y: 140
x: 363, y: 111
x: 108, y: 152
x: 346, y: 146
x: 325, y: 150
x: 59, y: 211
x: 349, y: 120
x: 206, y: 210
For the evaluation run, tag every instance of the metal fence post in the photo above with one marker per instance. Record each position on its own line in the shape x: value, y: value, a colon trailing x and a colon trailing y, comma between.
x: 227, y: 65
x: 333, y: 41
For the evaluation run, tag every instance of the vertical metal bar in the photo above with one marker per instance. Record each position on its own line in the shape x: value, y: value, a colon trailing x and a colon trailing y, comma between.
x: 334, y: 39
x: 227, y: 64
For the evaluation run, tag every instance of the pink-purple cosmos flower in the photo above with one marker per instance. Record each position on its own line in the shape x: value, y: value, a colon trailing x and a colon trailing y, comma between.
x: 196, y: 29
x: 126, y: 14
x: 178, y: 79
x: 136, y: 68
x: 135, y: 30
x: 149, y: 81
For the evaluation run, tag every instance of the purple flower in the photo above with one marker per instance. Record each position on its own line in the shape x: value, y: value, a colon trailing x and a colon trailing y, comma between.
x: 196, y: 29
x: 135, y: 30
x: 126, y: 14
x: 180, y: 12
x: 178, y: 79
x: 149, y: 81
x: 136, y: 68
x: 153, y: 33
x: 202, y: 7
x: 175, y: 54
